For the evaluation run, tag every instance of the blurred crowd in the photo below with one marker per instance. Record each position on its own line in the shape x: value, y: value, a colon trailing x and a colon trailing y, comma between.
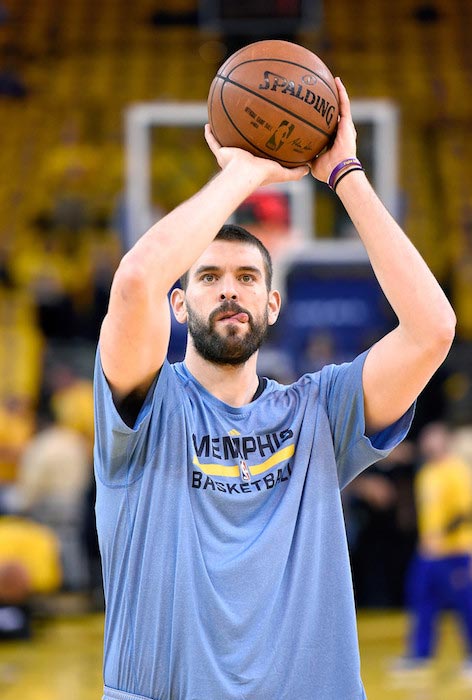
x: 48, y: 542
x: 58, y: 256
x: 54, y: 286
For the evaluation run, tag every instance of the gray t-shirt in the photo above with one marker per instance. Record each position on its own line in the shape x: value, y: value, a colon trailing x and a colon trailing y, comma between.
x: 221, y: 529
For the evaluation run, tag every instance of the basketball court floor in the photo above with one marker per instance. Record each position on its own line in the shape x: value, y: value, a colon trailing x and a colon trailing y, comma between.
x: 63, y: 661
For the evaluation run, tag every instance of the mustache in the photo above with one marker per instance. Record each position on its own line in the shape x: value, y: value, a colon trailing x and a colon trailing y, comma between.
x: 228, y: 307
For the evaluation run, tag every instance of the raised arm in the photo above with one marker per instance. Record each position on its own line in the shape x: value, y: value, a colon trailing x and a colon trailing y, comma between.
x: 400, y: 365
x: 135, y: 332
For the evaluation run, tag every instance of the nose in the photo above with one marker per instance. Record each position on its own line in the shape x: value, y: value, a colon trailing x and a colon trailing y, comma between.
x: 227, y: 294
x: 228, y: 290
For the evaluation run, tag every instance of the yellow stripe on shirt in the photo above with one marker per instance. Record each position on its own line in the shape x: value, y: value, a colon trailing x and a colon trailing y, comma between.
x: 233, y: 469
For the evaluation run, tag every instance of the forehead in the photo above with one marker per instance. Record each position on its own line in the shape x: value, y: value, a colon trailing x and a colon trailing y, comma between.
x: 229, y: 255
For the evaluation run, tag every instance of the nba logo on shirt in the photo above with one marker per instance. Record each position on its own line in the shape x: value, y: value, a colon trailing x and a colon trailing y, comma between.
x: 244, y: 471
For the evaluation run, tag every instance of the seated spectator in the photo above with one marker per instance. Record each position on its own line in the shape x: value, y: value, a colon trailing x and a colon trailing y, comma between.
x: 55, y: 472
x: 16, y: 428
x: 30, y: 566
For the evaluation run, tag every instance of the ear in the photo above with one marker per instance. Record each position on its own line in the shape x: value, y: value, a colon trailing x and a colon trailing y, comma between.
x: 274, y: 304
x: 179, y: 307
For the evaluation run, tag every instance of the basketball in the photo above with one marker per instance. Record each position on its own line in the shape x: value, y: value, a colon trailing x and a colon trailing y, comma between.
x: 276, y: 100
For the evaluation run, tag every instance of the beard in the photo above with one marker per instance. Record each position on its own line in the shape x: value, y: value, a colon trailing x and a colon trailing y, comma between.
x: 228, y: 347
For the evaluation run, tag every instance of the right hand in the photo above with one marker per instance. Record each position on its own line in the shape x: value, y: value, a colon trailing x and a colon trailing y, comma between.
x: 266, y: 171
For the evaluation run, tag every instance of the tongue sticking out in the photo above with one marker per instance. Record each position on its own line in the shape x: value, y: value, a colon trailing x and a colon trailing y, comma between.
x: 241, y: 317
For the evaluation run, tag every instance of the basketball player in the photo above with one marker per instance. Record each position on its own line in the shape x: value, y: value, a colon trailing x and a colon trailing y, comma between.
x: 218, y: 492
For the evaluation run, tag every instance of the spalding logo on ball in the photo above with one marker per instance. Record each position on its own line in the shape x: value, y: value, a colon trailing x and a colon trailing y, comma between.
x: 275, y: 99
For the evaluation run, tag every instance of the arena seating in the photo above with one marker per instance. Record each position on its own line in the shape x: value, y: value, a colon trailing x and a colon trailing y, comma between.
x: 82, y: 62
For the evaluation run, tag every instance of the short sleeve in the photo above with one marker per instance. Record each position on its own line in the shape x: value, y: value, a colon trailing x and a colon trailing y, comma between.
x: 355, y: 451
x: 121, y: 452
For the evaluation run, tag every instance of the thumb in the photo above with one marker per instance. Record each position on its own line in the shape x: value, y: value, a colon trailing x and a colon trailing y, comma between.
x: 300, y: 171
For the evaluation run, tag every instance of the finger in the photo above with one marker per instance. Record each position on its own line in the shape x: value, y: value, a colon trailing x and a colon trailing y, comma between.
x: 344, y: 102
x: 210, y: 139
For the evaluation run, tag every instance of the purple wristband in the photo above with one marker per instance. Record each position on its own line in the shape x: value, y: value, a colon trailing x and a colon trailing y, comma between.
x: 343, y: 164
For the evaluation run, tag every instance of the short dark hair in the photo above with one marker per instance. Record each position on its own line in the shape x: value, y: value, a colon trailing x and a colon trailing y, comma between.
x: 232, y: 232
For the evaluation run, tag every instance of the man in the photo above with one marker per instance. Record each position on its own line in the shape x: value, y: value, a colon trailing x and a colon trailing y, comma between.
x: 440, y: 575
x: 218, y: 493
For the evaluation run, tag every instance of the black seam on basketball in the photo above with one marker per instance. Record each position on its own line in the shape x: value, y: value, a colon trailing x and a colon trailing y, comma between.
x: 253, y: 145
x: 273, y: 104
x: 291, y: 63
x: 210, y: 107
x: 210, y: 99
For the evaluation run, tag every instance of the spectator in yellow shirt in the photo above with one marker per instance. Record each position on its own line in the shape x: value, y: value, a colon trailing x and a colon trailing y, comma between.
x: 440, y: 576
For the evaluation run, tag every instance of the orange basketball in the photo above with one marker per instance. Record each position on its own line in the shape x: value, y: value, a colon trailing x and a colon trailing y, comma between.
x: 275, y: 99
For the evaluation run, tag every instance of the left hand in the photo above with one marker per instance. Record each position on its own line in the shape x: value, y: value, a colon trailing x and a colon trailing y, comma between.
x: 344, y: 145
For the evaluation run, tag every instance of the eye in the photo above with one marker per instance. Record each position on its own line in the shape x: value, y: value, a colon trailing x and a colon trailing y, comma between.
x: 247, y: 278
x: 208, y: 277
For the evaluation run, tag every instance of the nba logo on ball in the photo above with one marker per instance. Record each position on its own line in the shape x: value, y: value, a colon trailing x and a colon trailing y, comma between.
x: 280, y: 135
x: 275, y: 99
